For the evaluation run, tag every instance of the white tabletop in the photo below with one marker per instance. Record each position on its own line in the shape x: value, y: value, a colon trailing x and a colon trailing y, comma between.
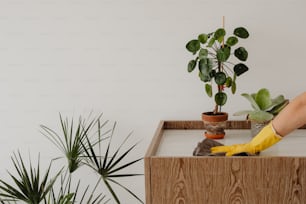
x: 183, y: 142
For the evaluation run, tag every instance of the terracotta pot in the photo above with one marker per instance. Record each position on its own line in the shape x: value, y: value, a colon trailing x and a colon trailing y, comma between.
x: 215, y: 124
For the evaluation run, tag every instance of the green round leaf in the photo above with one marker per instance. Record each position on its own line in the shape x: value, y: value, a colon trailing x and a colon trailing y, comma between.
x: 191, y: 65
x: 241, y: 32
x: 223, y: 54
x: 205, y: 66
x: 212, y: 73
x: 193, y: 46
x: 263, y: 99
x: 208, y: 90
x: 220, y: 98
x: 240, y: 69
x: 231, y: 41
x: 219, y: 34
x: 204, y: 77
x: 228, y: 82
x: 203, y: 53
x: 203, y: 38
x: 211, y: 42
x: 233, y: 88
x: 220, y: 78
x: 241, y: 53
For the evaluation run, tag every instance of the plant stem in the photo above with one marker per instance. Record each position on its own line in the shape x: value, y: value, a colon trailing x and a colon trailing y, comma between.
x: 216, y: 109
x: 219, y: 87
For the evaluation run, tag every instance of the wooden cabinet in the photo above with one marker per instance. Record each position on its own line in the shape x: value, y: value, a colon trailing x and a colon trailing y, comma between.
x: 174, y: 176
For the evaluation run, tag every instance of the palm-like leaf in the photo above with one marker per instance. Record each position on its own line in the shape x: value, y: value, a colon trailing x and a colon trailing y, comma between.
x: 108, y: 166
x: 29, y: 187
x: 67, y: 196
x: 71, y: 139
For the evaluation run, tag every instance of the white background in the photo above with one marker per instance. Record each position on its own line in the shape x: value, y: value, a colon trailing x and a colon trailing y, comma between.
x: 127, y: 59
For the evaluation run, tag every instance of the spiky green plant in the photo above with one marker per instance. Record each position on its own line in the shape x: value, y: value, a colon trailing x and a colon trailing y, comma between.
x: 29, y: 186
x: 84, y: 140
x: 108, y: 165
x: 78, y: 143
x: 68, y: 196
x: 71, y: 137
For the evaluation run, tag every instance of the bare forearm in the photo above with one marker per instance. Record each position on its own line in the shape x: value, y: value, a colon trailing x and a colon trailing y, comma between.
x: 292, y: 116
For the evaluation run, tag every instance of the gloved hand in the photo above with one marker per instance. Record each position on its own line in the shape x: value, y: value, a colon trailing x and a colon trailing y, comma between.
x: 264, y: 139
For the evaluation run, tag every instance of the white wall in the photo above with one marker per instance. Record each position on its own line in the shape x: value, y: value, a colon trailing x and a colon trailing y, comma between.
x: 127, y: 58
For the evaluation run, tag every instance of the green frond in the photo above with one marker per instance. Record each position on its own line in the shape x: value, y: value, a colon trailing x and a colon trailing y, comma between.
x: 108, y: 164
x: 72, y: 138
x: 28, y: 187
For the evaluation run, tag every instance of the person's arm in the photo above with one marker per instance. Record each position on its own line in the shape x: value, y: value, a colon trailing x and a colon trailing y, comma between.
x: 290, y: 118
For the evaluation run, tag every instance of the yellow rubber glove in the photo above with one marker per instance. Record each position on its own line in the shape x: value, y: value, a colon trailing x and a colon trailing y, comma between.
x: 264, y: 139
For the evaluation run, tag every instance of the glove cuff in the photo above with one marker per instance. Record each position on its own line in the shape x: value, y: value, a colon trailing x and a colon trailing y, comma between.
x: 265, y: 138
x: 274, y: 131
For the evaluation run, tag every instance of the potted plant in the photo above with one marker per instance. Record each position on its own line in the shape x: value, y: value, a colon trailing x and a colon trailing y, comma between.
x: 212, y: 54
x: 81, y: 143
x: 264, y: 108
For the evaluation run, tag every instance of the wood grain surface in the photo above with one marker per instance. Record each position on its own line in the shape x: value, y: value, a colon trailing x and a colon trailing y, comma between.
x: 242, y: 180
x: 198, y: 124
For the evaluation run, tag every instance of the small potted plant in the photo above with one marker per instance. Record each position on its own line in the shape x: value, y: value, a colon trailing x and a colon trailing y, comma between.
x: 264, y: 108
x: 212, y: 54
